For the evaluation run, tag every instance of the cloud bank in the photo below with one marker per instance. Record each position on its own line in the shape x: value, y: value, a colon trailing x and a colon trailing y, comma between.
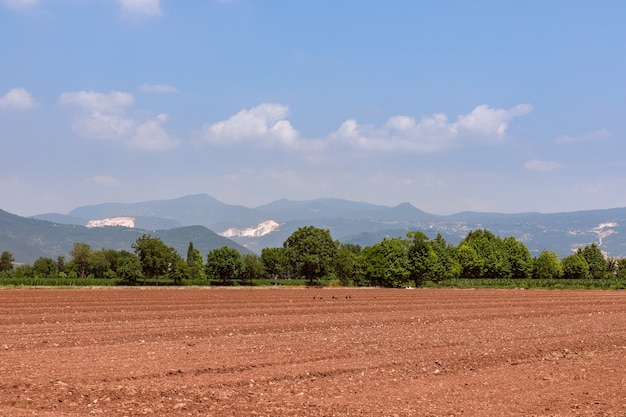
x: 20, y: 5
x: 105, y: 116
x: 267, y: 125
x: 140, y: 8
x: 483, y: 125
x: 17, y: 99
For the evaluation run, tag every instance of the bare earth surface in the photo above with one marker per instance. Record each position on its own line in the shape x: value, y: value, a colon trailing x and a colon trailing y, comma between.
x: 312, y: 352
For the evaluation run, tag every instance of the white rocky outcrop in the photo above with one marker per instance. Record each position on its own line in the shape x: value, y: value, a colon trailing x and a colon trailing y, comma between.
x: 261, y: 229
x: 112, y: 221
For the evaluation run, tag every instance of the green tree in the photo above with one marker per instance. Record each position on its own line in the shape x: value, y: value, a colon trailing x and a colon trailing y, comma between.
x: 621, y: 268
x: 519, y: 259
x: 128, y: 267
x: 575, y: 266
x: 6, y: 261
x: 195, y: 262
x: 444, y: 264
x: 547, y: 266
x: 251, y: 267
x: 45, y: 267
x: 61, y: 264
x: 386, y: 263
x: 347, y: 263
x: 223, y: 263
x: 311, y: 251
x: 154, y: 255
x: 598, y: 265
x: 274, y: 262
x: 99, y: 263
x: 81, y: 257
x: 611, y: 264
x: 421, y: 256
x: 489, y: 258
x: 469, y: 260
x: 179, y: 270
x: 23, y: 271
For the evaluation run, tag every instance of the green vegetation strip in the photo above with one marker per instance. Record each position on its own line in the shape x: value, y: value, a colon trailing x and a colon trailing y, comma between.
x: 557, y: 284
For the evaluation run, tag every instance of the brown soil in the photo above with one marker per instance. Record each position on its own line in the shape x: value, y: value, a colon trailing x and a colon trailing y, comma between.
x: 312, y: 352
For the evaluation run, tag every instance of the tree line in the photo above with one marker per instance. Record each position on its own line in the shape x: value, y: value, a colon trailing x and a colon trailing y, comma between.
x: 310, y: 254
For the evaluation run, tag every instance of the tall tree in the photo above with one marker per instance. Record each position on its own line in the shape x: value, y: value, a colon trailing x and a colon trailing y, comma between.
x: 274, y: 262
x: 469, y: 259
x: 547, y: 266
x: 99, y: 263
x: 311, y: 251
x: 81, y: 256
x: 386, y: 263
x: 195, y: 262
x: 575, y: 266
x: 346, y: 263
x: 6, y: 261
x: 178, y: 270
x: 445, y: 265
x: 621, y: 268
x: 223, y: 263
x: 251, y: 267
x: 45, y: 267
x: 154, y: 255
x: 129, y: 267
x: 60, y: 263
x: 491, y: 256
x: 519, y: 259
x: 598, y: 265
x: 421, y: 257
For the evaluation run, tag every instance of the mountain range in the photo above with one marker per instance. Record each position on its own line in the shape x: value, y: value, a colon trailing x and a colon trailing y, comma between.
x: 210, y: 223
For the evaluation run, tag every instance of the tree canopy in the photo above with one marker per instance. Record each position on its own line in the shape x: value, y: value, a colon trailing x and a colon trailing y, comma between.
x: 154, y: 255
x: 311, y: 251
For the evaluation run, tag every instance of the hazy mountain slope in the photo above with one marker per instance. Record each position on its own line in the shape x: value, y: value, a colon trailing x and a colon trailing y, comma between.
x: 60, y: 219
x: 203, y: 239
x: 141, y: 222
x: 322, y: 208
x: 29, y: 239
x: 367, y: 223
x: 200, y: 209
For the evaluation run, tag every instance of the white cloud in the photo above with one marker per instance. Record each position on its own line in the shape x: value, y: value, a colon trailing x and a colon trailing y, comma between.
x: 158, y: 88
x: 594, y: 136
x: 113, y: 102
x: 107, y: 181
x: 151, y: 135
x: 17, y: 99
x: 486, y: 121
x: 97, y: 125
x: 20, y: 5
x: 140, y: 8
x: 542, y: 166
x: 104, y: 116
x: 432, y: 133
x: 265, y: 124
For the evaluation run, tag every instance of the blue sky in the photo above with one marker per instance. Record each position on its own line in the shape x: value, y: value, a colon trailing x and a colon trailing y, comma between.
x: 449, y: 105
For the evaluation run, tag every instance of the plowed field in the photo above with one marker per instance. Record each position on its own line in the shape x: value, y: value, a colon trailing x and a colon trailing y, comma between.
x: 312, y: 352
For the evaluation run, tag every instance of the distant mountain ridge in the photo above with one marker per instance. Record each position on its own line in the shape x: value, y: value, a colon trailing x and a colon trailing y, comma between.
x: 366, y: 224
x: 29, y: 239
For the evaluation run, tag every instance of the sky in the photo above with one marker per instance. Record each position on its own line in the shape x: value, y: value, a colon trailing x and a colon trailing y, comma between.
x: 451, y: 106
